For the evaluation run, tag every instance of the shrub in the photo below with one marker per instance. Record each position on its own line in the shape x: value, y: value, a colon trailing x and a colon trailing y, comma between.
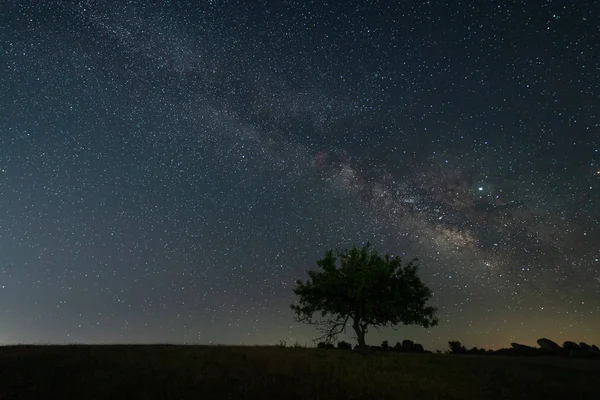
x: 324, y: 345
x: 418, y: 348
x: 456, y: 347
x: 407, y: 345
x: 344, y: 345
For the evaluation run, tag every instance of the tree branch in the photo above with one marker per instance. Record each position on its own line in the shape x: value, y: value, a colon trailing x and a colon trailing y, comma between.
x: 330, y: 329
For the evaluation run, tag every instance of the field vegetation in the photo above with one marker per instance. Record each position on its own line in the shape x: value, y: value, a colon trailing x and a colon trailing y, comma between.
x: 277, y: 372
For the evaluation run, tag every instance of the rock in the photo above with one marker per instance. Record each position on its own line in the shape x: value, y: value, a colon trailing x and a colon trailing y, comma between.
x: 584, y: 346
x: 521, y: 349
x: 548, y: 344
x: 407, y: 345
x: 568, y: 345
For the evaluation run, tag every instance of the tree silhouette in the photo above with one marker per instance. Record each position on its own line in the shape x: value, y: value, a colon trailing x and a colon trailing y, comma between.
x: 362, y: 287
x: 456, y: 347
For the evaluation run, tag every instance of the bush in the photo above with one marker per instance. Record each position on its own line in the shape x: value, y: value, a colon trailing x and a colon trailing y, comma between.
x: 324, y: 345
x: 344, y: 345
x: 476, y: 350
x: 385, y: 345
x: 456, y: 347
x: 407, y: 345
x: 418, y: 348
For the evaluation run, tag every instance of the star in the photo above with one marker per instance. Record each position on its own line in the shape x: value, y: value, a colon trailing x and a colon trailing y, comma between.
x: 174, y: 169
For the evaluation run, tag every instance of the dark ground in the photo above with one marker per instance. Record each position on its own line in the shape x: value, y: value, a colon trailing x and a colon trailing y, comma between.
x: 203, y: 372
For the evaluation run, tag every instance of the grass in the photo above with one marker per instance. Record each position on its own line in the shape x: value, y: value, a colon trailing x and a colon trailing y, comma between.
x: 222, y: 372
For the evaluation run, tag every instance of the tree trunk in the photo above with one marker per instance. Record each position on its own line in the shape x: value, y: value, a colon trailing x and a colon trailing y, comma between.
x: 360, y: 334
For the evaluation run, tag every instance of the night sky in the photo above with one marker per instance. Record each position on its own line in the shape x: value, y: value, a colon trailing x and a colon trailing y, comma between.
x: 168, y: 171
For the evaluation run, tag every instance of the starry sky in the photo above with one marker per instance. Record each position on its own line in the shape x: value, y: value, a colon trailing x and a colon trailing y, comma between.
x: 169, y: 169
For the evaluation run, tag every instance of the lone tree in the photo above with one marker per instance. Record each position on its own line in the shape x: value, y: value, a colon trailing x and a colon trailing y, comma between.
x: 361, y: 286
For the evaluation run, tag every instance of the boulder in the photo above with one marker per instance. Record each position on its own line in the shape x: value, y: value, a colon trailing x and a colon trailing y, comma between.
x: 568, y: 345
x: 548, y: 344
x: 584, y: 346
x: 521, y: 349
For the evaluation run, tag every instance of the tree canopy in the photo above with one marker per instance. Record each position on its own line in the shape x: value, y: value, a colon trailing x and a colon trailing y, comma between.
x: 365, y: 288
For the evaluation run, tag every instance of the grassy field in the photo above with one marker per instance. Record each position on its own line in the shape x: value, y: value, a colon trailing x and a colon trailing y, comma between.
x: 215, y: 372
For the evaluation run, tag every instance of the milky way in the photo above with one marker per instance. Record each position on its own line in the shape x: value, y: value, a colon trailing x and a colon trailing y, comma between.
x: 168, y: 171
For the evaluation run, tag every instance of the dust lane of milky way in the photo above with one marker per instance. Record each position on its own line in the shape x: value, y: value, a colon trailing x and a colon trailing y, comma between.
x: 168, y: 171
